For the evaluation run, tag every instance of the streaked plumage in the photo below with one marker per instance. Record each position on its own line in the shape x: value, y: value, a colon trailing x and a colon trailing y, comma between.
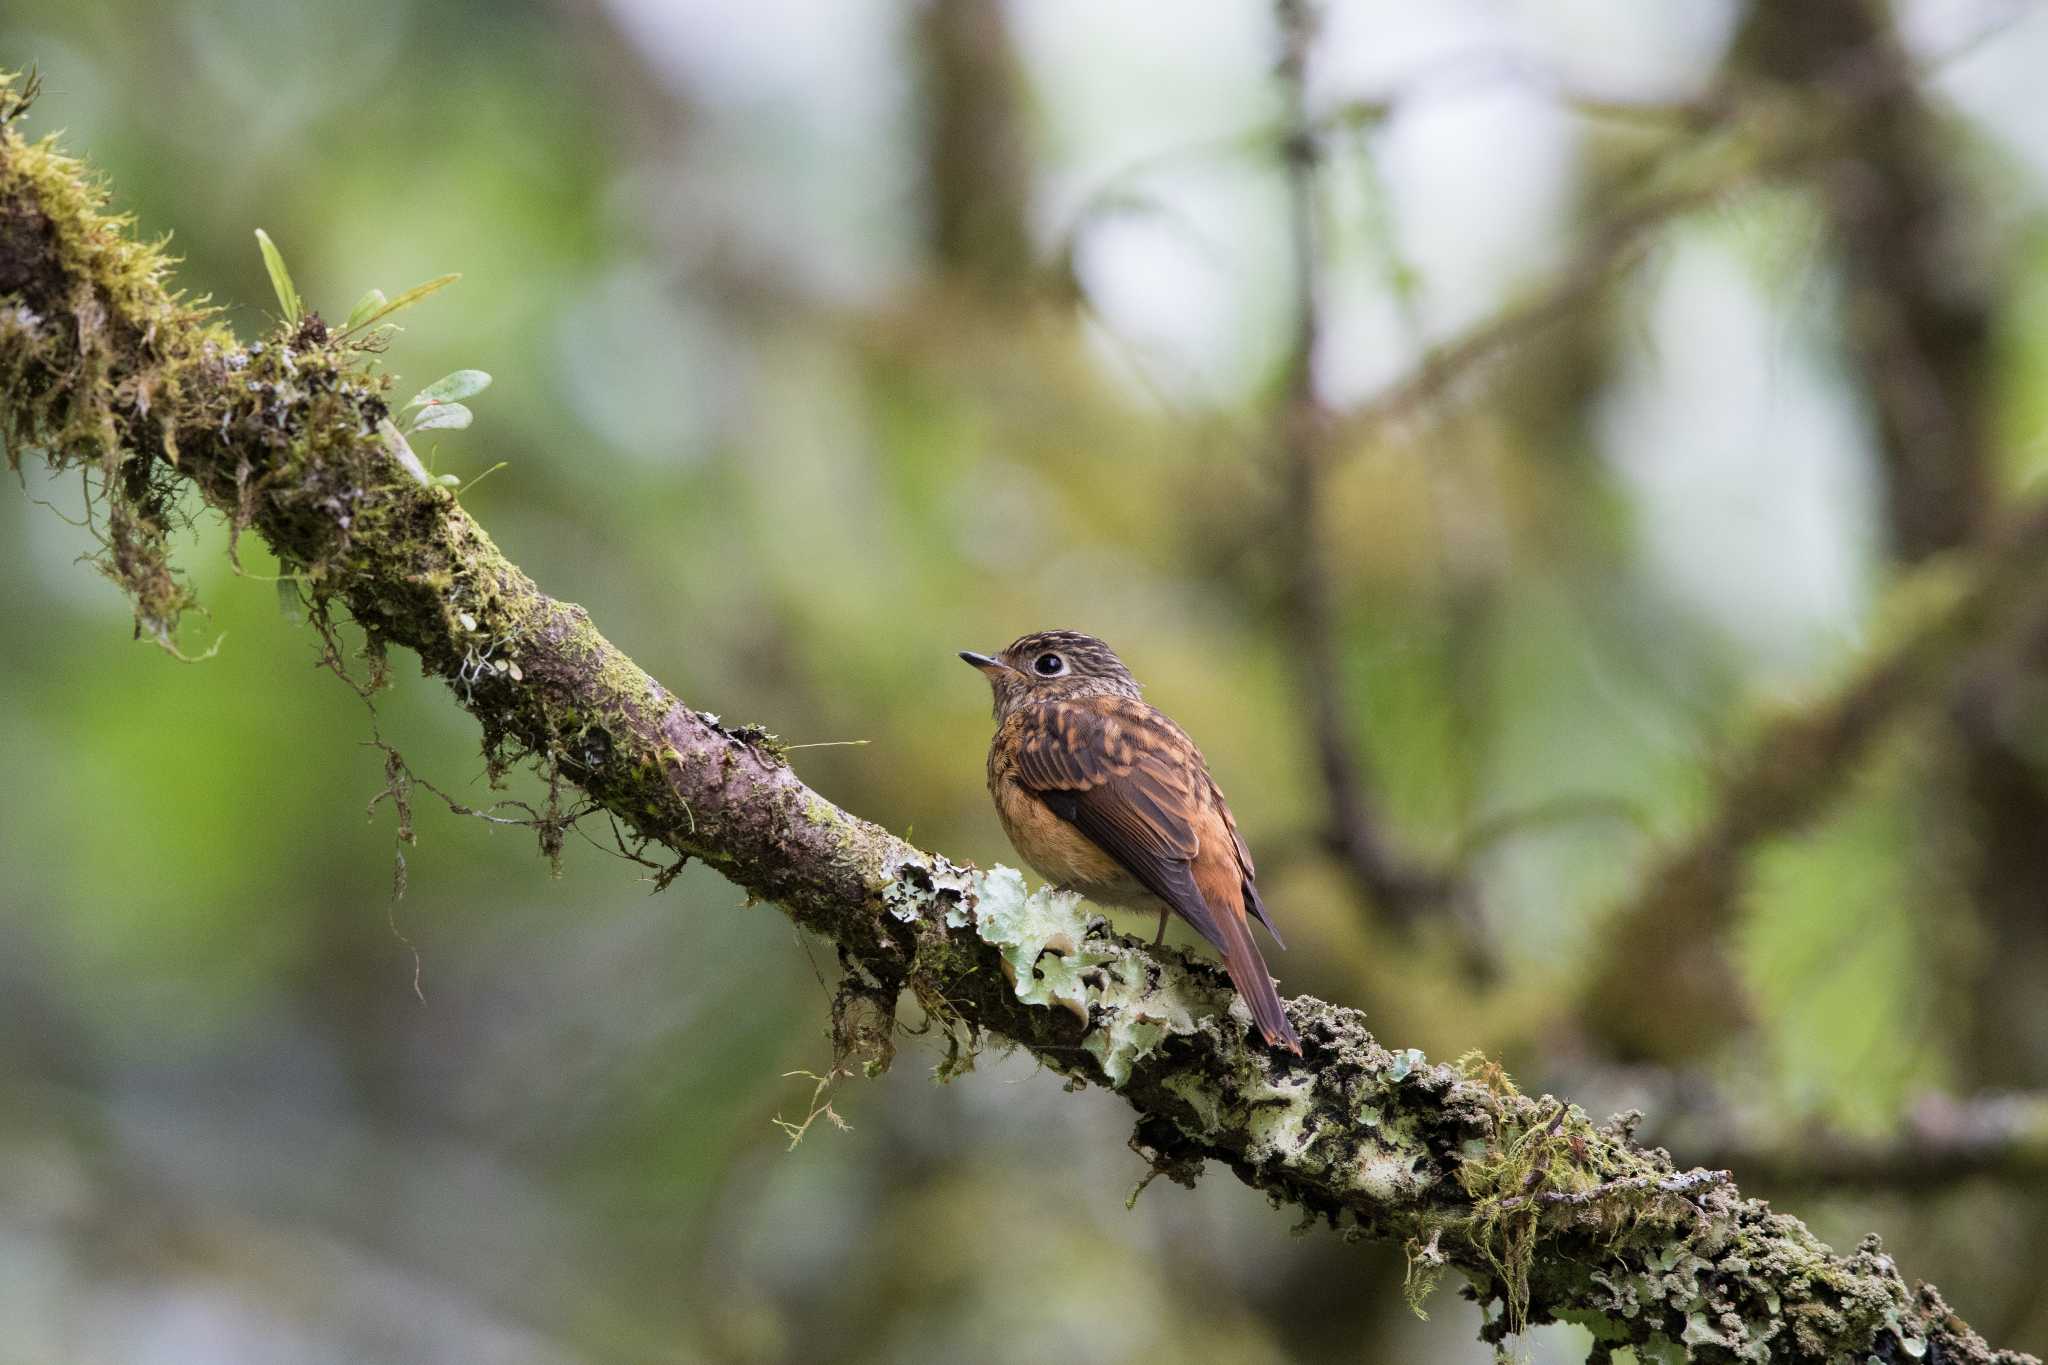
x: 1104, y: 794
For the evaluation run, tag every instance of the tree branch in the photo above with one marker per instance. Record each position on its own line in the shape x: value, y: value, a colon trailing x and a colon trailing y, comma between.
x: 1392, y: 881
x: 1918, y: 306
x: 103, y: 370
x: 1647, y: 994
x: 1942, y: 1142
x: 1917, y: 325
x: 1920, y: 313
x: 977, y: 173
x: 1752, y: 137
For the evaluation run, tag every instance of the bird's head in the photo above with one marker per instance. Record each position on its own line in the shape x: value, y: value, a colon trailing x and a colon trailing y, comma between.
x: 1052, y: 665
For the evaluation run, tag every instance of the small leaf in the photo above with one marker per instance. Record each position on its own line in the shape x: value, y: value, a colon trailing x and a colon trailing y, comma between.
x: 395, y: 442
x: 289, y: 602
x: 366, y: 307
x: 450, y: 387
x: 444, y: 416
x: 280, y: 278
x: 408, y: 299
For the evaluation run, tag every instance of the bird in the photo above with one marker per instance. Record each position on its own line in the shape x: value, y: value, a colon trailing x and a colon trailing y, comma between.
x: 1103, y: 794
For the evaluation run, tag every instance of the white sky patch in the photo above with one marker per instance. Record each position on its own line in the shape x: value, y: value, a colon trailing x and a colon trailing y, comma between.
x: 1989, y: 55
x: 1192, y: 289
x: 1481, y: 189
x: 803, y: 157
x: 644, y: 369
x: 1110, y: 94
x: 1747, y: 459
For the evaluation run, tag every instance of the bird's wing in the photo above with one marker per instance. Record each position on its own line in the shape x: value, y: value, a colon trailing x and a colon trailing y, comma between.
x: 1124, y: 775
x: 1133, y: 782
x: 1253, y: 901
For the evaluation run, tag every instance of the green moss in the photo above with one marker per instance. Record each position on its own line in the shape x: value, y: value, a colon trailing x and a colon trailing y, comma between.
x: 1545, y: 1171
x: 91, y: 341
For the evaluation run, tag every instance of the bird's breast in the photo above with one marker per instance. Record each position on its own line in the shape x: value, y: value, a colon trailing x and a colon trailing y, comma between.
x: 1057, y: 851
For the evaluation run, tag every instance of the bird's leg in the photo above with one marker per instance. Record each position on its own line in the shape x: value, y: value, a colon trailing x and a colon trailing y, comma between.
x: 1160, y: 937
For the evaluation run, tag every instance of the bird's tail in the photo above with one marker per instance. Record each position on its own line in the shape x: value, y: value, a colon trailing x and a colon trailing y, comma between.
x: 1248, y: 973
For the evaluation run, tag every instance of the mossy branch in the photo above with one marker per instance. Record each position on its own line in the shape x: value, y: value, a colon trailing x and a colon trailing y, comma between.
x: 104, y: 370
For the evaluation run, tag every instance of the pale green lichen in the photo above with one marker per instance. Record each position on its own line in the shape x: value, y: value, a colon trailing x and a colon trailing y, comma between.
x: 1119, y: 1043
x: 819, y: 811
x: 1058, y: 956
x: 1202, y: 1101
x: 908, y: 887
x: 1137, y: 1010
x: 1280, y: 1119
x: 1387, y: 1175
x: 1024, y: 924
x: 1041, y: 936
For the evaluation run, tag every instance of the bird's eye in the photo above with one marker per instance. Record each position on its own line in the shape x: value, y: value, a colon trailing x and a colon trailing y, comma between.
x: 1050, y: 665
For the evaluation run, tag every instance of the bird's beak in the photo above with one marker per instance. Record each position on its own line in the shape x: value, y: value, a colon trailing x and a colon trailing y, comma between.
x: 989, y: 665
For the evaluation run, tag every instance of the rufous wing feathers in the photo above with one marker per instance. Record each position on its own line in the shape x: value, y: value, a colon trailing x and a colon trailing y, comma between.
x: 1220, y: 881
x: 1132, y: 782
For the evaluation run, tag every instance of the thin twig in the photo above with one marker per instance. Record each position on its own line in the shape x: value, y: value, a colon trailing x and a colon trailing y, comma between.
x: 1395, y: 884
x: 1854, y: 88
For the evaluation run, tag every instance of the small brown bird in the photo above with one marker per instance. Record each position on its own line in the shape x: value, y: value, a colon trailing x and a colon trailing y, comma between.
x: 1104, y: 795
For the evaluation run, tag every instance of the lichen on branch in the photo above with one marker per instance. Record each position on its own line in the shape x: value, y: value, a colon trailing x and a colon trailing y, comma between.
x: 1548, y: 1215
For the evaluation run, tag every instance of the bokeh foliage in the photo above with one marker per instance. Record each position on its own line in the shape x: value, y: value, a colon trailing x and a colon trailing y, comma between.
x: 793, y: 447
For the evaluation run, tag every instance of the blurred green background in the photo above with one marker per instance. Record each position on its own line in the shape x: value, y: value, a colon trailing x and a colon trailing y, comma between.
x: 833, y: 336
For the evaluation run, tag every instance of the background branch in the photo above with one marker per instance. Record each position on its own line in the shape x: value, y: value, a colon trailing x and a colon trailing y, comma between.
x: 1392, y: 881
x: 1917, y: 323
x: 1741, y: 134
x: 1660, y: 985
x: 1940, y: 1140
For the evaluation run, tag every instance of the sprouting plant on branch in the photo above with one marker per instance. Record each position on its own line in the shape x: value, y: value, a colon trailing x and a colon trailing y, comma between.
x: 437, y: 407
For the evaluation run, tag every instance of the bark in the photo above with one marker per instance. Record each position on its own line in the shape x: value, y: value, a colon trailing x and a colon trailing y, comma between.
x: 1547, y: 1214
